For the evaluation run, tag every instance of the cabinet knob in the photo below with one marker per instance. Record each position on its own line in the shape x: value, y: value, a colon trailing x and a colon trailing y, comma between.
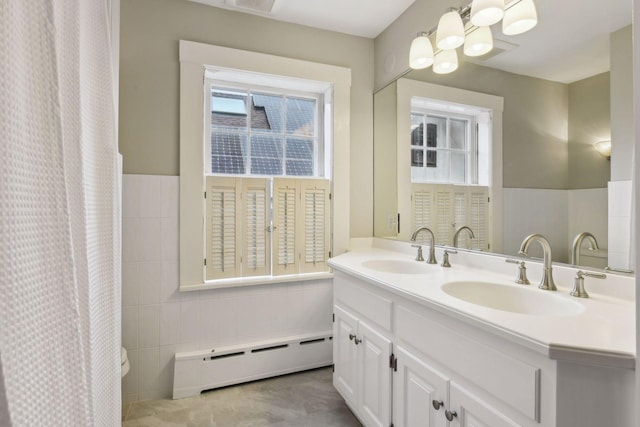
x: 437, y: 404
x: 351, y: 337
x: 357, y: 341
x: 450, y: 415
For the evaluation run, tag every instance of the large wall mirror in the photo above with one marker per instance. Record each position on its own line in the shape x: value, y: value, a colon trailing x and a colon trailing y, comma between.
x: 531, y: 111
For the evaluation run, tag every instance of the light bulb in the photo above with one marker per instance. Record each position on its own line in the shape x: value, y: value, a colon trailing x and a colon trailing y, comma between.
x: 421, y: 53
x: 445, y: 62
x: 450, y: 33
x: 520, y: 18
x: 486, y: 12
x: 479, y: 42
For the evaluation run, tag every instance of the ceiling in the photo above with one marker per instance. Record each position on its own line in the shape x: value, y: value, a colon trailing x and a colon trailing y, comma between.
x: 363, y: 18
x: 570, y: 42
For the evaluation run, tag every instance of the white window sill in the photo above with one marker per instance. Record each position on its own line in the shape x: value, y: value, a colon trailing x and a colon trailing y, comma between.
x: 254, y: 281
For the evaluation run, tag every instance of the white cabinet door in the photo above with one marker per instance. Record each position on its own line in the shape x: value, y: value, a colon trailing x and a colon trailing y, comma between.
x: 345, y: 375
x: 415, y: 387
x: 374, y: 351
x: 470, y: 411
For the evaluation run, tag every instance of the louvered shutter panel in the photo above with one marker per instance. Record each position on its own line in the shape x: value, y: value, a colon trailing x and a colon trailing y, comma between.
x: 460, y: 215
x: 255, y: 218
x: 479, y: 217
x: 314, y: 225
x: 286, y: 195
x: 444, y: 216
x: 222, y: 228
x: 423, y: 209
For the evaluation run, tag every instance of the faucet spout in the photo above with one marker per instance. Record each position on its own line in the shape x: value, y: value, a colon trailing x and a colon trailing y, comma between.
x: 432, y: 249
x: 577, y: 242
x: 547, y: 275
x: 457, y: 233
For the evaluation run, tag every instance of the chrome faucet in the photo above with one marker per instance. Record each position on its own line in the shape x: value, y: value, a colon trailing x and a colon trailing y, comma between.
x: 547, y: 275
x: 455, y: 235
x: 577, y: 242
x: 432, y: 249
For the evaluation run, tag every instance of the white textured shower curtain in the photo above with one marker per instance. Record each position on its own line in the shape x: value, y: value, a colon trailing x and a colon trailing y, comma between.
x: 59, y: 216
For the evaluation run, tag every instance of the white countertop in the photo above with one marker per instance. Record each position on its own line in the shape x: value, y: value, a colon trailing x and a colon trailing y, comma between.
x: 602, y: 333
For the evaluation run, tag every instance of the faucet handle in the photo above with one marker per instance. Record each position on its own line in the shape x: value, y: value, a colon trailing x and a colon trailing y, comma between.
x: 419, y: 257
x: 522, y: 271
x: 578, y: 283
x: 445, y: 257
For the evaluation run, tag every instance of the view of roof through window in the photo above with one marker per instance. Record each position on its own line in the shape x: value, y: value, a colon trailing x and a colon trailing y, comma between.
x: 263, y: 134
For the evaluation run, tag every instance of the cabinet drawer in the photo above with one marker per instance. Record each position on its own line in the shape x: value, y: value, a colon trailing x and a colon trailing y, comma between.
x: 510, y: 380
x: 353, y: 293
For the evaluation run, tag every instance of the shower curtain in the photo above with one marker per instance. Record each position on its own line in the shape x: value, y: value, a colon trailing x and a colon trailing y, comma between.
x: 59, y: 216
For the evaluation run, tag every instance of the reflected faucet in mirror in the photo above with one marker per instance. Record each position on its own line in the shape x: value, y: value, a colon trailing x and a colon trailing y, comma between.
x: 547, y: 275
x: 432, y: 248
x: 456, y: 234
x: 577, y: 242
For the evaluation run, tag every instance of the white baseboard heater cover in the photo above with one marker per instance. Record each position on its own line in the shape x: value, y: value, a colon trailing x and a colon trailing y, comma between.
x: 196, y: 371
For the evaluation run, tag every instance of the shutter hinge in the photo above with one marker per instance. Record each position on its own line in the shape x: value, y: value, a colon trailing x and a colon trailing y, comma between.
x: 488, y: 199
x: 205, y: 194
x: 330, y: 254
x: 398, y: 223
x: 488, y: 245
x: 329, y: 196
x: 334, y: 317
x: 393, y: 362
x: 333, y: 367
x: 205, y: 261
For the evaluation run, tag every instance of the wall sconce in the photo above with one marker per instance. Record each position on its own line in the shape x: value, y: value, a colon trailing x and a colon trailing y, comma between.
x: 470, y: 25
x: 604, y: 148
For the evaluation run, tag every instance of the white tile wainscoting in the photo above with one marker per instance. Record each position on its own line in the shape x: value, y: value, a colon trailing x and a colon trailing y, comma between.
x: 158, y: 320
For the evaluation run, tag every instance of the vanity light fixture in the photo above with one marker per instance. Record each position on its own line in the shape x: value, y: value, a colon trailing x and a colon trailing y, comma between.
x: 478, y: 42
x: 470, y: 25
x: 450, y: 33
x: 604, y: 148
x: 445, y: 62
x: 421, y: 52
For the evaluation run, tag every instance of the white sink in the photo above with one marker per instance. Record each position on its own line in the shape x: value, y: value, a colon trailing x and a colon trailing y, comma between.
x: 397, y: 266
x: 513, y: 298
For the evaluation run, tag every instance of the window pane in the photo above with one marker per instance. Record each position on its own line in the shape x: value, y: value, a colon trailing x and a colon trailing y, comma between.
x: 458, y: 167
x: 417, y: 129
x: 417, y: 157
x: 301, y: 116
x: 299, y: 148
x: 228, y: 109
x: 300, y: 167
x: 228, y: 152
x: 266, y: 155
x: 439, y: 171
x: 267, y: 113
x: 458, y: 134
x: 436, y: 132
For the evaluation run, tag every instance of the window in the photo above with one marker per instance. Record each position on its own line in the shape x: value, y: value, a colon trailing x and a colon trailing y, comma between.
x: 267, y: 206
x: 443, y: 148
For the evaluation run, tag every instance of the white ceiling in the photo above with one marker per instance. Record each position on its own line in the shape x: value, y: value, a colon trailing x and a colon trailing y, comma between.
x: 363, y: 18
x: 570, y: 42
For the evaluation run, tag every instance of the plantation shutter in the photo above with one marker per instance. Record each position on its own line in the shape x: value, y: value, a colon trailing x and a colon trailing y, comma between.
x: 461, y: 215
x: 255, y: 222
x: 222, y: 228
x: 423, y: 209
x: 444, y: 216
x: 314, y: 225
x: 479, y: 217
x: 286, y: 195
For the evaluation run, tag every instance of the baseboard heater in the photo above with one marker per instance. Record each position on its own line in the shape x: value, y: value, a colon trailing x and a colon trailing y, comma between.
x: 196, y: 371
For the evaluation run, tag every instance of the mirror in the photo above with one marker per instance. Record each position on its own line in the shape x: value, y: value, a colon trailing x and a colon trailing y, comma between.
x: 547, y: 176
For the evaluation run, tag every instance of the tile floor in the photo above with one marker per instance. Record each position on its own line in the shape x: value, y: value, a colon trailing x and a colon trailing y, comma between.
x: 305, y: 399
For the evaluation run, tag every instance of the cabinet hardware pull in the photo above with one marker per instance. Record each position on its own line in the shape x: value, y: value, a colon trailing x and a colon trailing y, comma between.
x: 437, y: 404
x: 450, y: 415
x: 357, y: 341
x: 351, y: 337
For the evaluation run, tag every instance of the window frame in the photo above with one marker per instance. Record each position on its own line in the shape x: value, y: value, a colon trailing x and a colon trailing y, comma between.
x: 471, y: 169
x: 320, y: 152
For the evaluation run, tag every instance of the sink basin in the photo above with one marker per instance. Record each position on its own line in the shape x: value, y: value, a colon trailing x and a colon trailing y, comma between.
x: 396, y: 266
x: 513, y: 298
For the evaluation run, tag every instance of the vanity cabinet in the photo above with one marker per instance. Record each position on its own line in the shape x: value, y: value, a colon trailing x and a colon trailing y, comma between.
x: 395, y: 356
x: 361, y: 368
